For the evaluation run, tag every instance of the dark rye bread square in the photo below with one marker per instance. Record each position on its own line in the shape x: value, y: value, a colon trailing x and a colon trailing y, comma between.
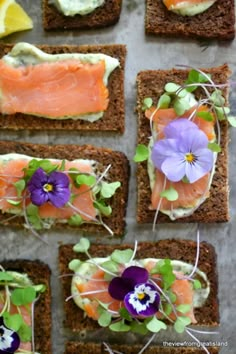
x: 92, y: 348
x: 216, y: 208
x: 217, y: 22
x: 103, y: 16
x: 207, y: 315
x: 119, y: 171
x: 113, y: 119
x: 39, y: 273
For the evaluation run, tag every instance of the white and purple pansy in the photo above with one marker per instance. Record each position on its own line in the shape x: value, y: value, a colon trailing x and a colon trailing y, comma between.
x: 183, y: 153
x: 52, y: 187
x: 9, y: 340
x: 141, y: 298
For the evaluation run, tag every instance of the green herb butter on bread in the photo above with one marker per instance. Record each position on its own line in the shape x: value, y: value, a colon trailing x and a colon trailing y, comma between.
x: 77, y: 14
x: 191, y: 18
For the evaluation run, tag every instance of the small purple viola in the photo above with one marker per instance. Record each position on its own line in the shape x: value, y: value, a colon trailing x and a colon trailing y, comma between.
x: 183, y: 152
x: 52, y: 187
x: 9, y: 340
x: 140, y: 298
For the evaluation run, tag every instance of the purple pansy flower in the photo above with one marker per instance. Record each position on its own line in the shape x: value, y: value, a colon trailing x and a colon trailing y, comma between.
x: 143, y: 301
x: 140, y: 298
x: 9, y: 340
x: 183, y: 153
x: 52, y: 187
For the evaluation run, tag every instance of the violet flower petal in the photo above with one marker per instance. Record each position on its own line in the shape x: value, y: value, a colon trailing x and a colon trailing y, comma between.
x: 61, y: 193
x: 136, y: 274
x: 143, y: 301
x: 174, y: 129
x: 201, y: 166
x: 192, y: 140
x: 9, y: 340
x: 119, y: 287
x: 163, y: 149
x: 174, y: 167
x: 38, y: 179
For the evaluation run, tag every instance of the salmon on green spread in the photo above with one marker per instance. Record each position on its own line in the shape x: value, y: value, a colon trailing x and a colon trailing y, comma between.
x: 17, y: 299
x: 55, y: 86
x: 180, y: 138
x: 119, y: 289
x: 48, y: 191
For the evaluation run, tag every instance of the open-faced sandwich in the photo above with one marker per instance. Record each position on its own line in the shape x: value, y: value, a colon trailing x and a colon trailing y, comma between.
x: 139, y: 290
x: 63, y: 185
x: 80, y: 14
x: 62, y: 87
x: 25, y: 307
x: 182, y: 145
x: 206, y: 19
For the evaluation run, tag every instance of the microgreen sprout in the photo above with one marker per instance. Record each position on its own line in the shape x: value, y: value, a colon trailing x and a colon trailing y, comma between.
x: 147, y: 300
x: 17, y: 292
x: 45, y: 187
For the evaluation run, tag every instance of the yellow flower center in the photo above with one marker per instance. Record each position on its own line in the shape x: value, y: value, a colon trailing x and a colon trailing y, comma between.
x: 48, y: 187
x: 190, y: 157
x: 141, y: 296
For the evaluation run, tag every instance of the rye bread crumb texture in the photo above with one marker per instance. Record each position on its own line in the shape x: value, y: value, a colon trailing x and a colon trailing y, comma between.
x: 119, y: 171
x: 207, y: 315
x: 113, y: 119
x: 218, y: 22
x: 39, y: 273
x: 216, y: 207
x: 91, y: 348
x: 103, y: 16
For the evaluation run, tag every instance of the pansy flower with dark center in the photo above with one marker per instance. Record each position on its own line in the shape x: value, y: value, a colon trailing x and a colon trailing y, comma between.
x: 140, y: 298
x: 9, y: 340
x: 183, y: 153
x: 52, y: 187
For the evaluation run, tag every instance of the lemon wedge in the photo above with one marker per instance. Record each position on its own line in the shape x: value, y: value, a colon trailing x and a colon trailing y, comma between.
x: 13, y: 18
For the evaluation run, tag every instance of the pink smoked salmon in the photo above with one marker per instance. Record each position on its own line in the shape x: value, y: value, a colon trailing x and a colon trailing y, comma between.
x: 182, y: 288
x: 188, y: 194
x: 12, y: 171
x: 54, y: 90
x: 26, y: 314
x: 171, y: 4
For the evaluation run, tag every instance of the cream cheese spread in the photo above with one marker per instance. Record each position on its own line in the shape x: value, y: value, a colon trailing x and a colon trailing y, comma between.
x: 76, y: 7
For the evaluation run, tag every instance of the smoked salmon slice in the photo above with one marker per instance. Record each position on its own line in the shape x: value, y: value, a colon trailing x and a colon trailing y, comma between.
x: 54, y: 90
x: 97, y: 282
x: 12, y: 170
x: 189, y: 194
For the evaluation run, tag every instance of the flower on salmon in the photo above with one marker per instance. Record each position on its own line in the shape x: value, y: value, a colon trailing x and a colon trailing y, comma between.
x: 52, y: 187
x: 183, y: 152
x: 140, y: 298
x: 9, y: 340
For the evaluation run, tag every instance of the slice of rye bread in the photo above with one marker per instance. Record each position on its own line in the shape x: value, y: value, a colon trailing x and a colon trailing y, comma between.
x: 39, y: 273
x: 216, y: 207
x: 119, y: 171
x: 113, y: 119
x: 92, y: 348
x: 215, y: 23
x: 103, y: 16
x: 207, y: 315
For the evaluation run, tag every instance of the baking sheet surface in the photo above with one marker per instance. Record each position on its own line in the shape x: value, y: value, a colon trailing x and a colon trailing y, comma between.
x: 143, y: 53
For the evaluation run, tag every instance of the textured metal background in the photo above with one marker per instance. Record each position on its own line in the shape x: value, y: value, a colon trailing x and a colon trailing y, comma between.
x: 143, y: 53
